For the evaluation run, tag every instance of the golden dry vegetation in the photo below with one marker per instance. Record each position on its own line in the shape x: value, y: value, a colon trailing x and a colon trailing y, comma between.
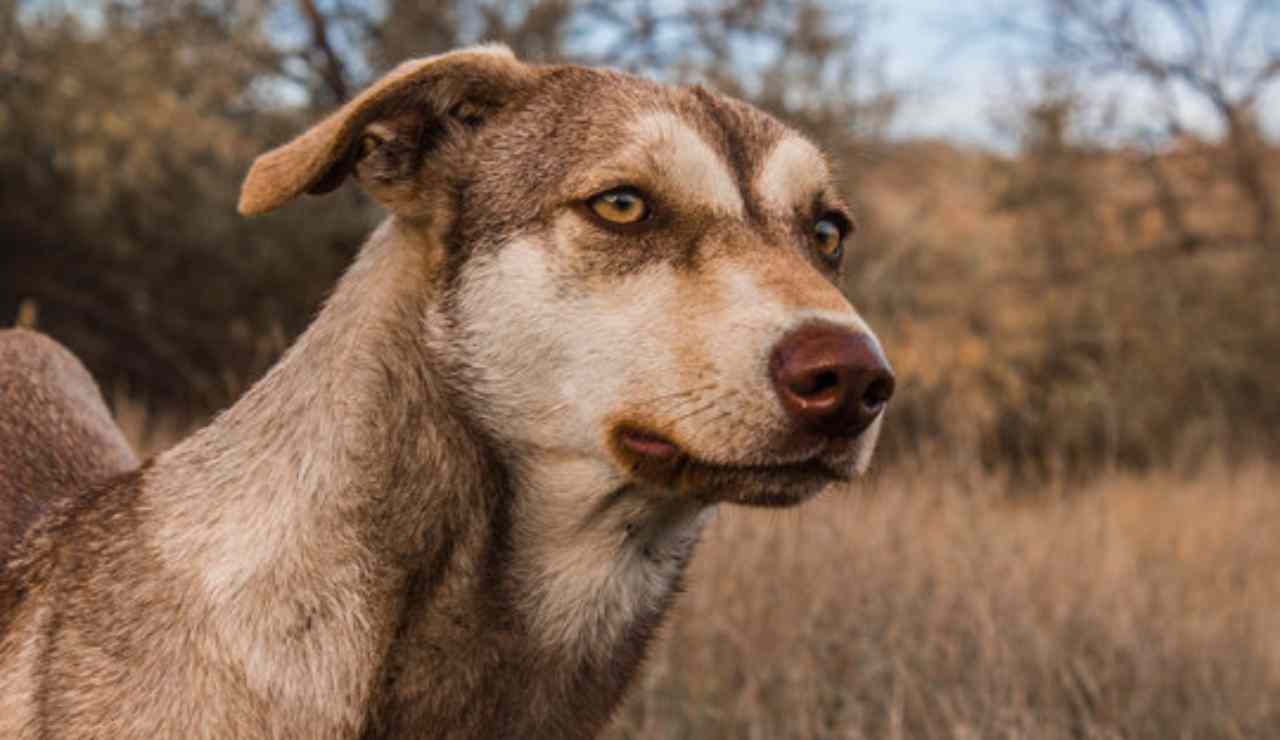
x: 1043, y: 316
x: 930, y: 605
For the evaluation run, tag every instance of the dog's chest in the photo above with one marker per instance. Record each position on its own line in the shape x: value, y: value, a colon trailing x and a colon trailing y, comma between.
x: 584, y: 587
x: 551, y: 651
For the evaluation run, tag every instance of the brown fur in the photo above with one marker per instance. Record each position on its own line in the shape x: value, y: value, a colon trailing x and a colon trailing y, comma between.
x: 375, y: 541
x: 56, y: 434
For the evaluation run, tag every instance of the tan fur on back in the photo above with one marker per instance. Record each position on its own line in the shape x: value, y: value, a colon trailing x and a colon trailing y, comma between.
x: 56, y: 434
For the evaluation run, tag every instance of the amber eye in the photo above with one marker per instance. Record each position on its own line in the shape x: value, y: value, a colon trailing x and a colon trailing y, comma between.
x: 829, y: 238
x: 620, y: 206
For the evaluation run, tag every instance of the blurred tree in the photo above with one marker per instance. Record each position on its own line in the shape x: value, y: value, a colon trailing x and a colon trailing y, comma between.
x: 117, y: 208
x: 1138, y: 345
x: 1048, y: 185
x: 1226, y: 55
x: 536, y: 30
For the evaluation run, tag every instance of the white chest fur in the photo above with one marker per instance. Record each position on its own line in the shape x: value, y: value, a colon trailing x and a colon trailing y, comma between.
x: 593, y: 564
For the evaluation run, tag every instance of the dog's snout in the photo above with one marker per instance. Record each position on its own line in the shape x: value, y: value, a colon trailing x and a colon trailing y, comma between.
x: 832, y: 381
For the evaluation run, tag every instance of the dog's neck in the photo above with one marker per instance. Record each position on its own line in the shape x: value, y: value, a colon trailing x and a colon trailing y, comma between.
x: 367, y: 554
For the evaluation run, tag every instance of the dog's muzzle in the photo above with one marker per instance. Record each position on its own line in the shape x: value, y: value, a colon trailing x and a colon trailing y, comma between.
x: 833, y: 382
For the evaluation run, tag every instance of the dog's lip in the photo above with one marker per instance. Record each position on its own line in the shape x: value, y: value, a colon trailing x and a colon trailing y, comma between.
x: 647, y: 444
x: 656, y: 452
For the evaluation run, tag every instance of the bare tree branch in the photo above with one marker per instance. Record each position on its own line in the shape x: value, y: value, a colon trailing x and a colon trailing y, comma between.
x: 333, y: 70
x: 1223, y: 58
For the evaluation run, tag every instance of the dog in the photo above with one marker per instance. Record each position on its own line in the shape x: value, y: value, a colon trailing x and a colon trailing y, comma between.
x: 463, y: 500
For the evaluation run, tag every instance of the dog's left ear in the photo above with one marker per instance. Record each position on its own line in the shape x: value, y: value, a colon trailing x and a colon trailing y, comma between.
x: 413, y: 107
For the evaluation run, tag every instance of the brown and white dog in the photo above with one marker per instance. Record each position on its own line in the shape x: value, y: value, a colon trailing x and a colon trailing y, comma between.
x: 460, y: 505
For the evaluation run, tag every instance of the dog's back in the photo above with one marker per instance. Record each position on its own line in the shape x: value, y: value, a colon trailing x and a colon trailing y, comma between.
x: 56, y: 434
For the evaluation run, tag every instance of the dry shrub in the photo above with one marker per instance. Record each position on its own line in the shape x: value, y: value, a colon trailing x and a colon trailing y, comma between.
x: 1051, y: 340
x: 150, y: 433
x: 1141, y: 364
x: 122, y: 149
x: 929, y: 607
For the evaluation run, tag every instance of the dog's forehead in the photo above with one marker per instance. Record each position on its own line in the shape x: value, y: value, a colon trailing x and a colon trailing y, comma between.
x: 717, y: 150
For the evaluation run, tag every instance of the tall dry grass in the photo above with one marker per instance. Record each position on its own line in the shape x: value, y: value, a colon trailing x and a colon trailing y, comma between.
x: 933, y: 605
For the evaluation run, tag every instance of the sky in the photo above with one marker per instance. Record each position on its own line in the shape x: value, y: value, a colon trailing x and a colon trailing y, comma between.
x: 932, y: 49
x: 960, y: 75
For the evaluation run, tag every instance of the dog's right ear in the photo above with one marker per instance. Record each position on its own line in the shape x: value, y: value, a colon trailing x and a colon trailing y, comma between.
x: 384, y: 132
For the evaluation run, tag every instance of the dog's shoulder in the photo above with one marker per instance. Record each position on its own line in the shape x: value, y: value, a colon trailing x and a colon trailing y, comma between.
x: 56, y: 434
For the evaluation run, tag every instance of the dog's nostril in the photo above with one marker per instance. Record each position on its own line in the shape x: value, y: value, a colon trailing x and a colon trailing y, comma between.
x: 877, y: 394
x: 815, y: 384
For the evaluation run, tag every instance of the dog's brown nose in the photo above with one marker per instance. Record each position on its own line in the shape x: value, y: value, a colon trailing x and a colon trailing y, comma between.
x: 832, y: 381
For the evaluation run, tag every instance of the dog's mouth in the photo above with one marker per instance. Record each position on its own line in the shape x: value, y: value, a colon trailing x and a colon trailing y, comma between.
x: 656, y: 459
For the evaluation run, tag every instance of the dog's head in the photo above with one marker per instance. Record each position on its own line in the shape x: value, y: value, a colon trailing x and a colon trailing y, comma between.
x: 638, y: 279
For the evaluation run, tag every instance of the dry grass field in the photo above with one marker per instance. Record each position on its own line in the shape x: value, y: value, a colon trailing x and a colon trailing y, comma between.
x: 934, y: 605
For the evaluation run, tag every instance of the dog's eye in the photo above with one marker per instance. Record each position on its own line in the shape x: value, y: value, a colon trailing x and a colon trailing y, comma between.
x: 828, y: 237
x: 620, y: 206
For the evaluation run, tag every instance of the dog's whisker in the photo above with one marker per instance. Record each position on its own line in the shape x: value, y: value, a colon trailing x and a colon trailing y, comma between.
x: 710, y: 405
x: 728, y: 413
x: 553, y: 410
x: 676, y: 394
x: 693, y: 414
x: 685, y: 403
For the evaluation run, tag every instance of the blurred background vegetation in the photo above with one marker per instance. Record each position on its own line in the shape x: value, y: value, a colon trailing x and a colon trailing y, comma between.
x: 1083, y: 302
x: 1077, y: 293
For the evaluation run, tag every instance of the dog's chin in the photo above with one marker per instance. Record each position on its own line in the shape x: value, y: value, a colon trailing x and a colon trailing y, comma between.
x: 765, y: 485
x: 657, y: 461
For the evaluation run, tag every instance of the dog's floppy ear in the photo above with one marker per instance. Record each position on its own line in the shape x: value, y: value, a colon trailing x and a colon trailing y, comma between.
x: 400, y: 114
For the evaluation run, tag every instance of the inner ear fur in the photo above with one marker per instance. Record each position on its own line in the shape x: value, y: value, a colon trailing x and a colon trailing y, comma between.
x: 419, y: 95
